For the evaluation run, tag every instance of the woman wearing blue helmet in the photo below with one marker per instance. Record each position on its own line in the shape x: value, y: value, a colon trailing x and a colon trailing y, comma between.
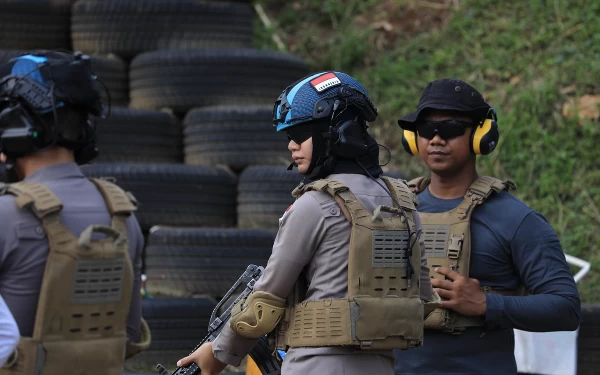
x: 345, y: 282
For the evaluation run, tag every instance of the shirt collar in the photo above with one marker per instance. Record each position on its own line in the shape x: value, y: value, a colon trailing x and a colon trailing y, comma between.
x: 55, y: 172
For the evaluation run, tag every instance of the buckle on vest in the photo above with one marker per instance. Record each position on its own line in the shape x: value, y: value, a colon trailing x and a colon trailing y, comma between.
x: 366, y: 344
x: 455, y: 246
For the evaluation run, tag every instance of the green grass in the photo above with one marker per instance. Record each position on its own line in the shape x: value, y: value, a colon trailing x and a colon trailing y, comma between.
x: 527, y: 57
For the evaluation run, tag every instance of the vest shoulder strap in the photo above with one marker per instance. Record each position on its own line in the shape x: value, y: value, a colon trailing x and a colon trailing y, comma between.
x: 484, y: 186
x: 118, y: 201
x: 331, y: 187
x: 479, y: 191
x: 38, y: 197
x: 340, y: 192
x: 401, y: 193
x: 417, y: 185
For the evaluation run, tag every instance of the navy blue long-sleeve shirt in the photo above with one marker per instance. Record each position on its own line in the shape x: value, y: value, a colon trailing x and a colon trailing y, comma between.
x: 511, y: 244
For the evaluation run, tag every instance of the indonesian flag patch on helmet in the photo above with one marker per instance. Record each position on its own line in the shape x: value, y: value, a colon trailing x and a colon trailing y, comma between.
x: 325, y: 81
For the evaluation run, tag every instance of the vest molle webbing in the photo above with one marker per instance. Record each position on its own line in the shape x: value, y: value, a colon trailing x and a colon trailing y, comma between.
x: 85, y: 293
x: 383, y: 309
x: 447, y: 239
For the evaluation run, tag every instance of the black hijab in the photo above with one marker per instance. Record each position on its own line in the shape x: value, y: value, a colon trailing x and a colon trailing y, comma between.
x: 324, y: 162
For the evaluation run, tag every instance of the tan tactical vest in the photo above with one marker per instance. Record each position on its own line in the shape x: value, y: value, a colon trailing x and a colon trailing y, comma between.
x: 80, y: 324
x: 447, y: 239
x: 383, y: 309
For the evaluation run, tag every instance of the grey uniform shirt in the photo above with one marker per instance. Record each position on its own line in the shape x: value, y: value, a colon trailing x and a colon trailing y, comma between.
x: 312, y: 245
x: 24, y: 247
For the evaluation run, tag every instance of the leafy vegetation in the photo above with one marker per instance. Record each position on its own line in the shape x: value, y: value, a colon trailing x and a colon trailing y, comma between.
x: 537, y: 62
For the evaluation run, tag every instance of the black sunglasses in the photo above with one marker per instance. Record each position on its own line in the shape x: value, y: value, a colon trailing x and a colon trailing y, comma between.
x: 445, y: 129
x: 299, y: 133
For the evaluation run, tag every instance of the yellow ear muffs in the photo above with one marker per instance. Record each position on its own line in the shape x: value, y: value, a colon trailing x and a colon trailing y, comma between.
x: 484, y: 138
x: 409, y: 142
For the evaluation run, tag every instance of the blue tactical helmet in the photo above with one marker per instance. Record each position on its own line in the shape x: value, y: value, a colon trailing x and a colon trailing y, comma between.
x: 319, y: 96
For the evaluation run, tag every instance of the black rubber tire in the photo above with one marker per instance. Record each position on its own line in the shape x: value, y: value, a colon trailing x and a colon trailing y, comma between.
x: 182, y: 80
x: 136, y: 135
x: 185, y: 262
x: 112, y: 71
x: 177, y: 325
x: 35, y: 24
x: 129, y: 28
x: 264, y: 193
x: 175, y: 194
x: 588, y: 341
x: 235, y: 136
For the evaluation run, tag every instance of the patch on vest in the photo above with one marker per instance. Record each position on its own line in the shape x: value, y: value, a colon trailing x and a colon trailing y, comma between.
x: 389, y: 248
x: 97, y: 281
x: 436, y: 238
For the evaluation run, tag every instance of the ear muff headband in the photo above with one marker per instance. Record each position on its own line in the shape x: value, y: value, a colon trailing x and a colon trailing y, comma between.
x: 409, y: 142
x: 484, y: 138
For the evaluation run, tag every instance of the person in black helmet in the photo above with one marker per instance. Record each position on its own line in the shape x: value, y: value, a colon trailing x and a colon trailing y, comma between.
x: 496, y: 263
x: 73, y: 291
x: 327, y: 255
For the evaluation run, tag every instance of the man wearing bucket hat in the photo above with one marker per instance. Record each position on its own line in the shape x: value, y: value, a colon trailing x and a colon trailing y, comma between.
x: 496, y: 263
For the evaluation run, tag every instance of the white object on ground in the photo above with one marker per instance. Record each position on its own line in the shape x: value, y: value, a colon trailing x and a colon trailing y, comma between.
x: 550, y: 353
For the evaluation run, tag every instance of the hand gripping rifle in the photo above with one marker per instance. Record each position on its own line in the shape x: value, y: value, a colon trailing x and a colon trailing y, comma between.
x: 268, y: 364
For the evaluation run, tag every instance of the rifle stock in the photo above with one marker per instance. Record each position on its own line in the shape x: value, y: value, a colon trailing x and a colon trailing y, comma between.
x: 267, y: 363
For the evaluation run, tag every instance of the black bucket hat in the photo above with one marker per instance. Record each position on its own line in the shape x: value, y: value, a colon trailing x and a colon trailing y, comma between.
x: 449, y: 94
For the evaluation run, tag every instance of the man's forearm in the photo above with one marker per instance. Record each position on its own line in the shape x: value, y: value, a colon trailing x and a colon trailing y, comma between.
x: 535, y: 313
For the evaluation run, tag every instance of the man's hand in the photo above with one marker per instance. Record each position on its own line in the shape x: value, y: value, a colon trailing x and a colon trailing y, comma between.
x: 461, y: 294
x: 205, y: 359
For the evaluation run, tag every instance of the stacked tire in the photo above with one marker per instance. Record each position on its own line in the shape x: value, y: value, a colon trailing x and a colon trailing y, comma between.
x: 195, y: 113
x: 175, y: 194
x: 177, y: 325
x: 235, y: 136
x: 130, y: 28
x: 35, y: 24
x: 264, y: 193
x: 186, y: 79
x: 202, y: 261
x: 134, y: 135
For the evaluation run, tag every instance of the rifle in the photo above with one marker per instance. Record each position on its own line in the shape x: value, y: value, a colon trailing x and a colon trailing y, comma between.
x: 268, y: 364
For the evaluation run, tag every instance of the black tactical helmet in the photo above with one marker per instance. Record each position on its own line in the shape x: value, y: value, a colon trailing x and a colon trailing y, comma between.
x: 34, y: 88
